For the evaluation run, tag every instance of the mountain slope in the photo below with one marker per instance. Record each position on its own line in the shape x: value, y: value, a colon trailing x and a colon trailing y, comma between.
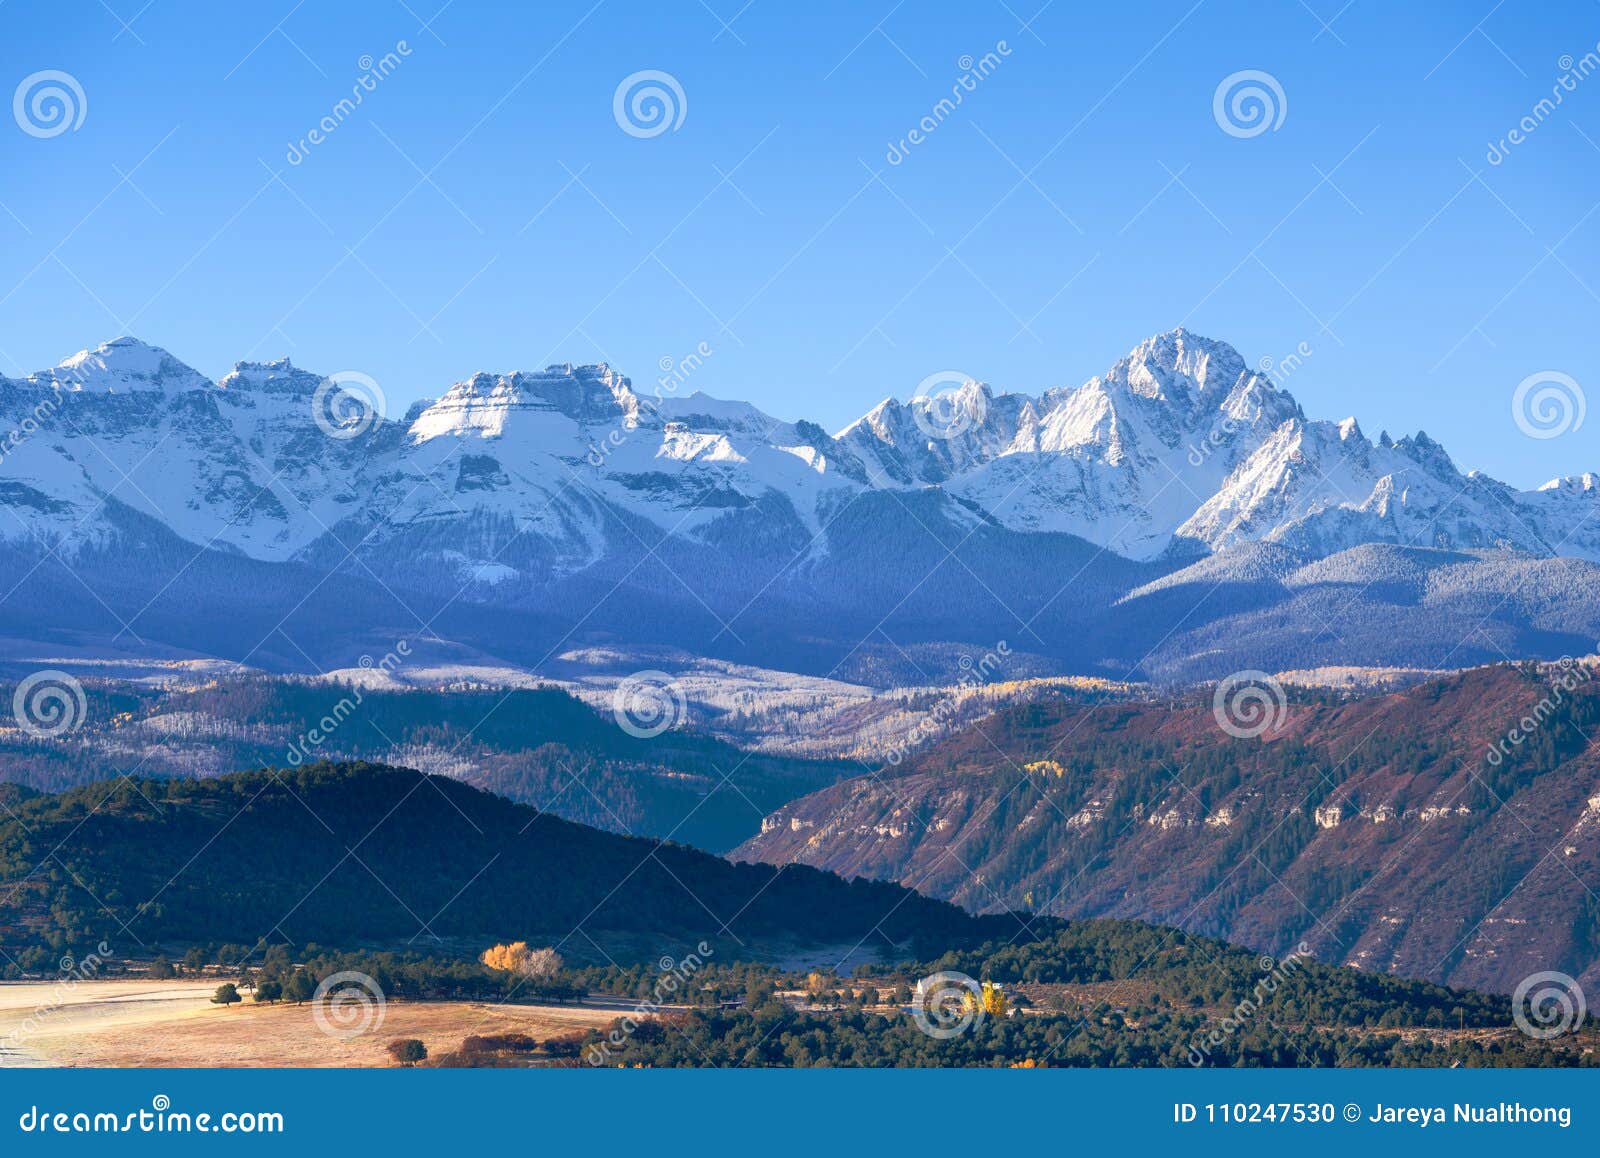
x: 353, y: 854
x: 565, y: 503
x: 1379, y: 831
x: 1178, y: 444
x: 534, y: 746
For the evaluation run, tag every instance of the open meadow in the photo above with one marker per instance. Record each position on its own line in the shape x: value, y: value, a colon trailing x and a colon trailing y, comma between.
x: 174, y: 1024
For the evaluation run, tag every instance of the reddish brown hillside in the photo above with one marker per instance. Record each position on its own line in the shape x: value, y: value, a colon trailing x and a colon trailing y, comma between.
x: 1378, y: 831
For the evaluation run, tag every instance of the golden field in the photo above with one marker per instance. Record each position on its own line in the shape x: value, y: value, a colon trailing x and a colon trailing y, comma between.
x: 174, y: 1024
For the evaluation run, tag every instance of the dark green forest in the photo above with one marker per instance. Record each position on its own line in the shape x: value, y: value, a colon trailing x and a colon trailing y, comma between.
x: 356, y: 854
x: 537, y: 746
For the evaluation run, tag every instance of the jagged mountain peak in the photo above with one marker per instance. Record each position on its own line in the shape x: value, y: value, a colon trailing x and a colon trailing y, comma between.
x: 1426, y: 453
x: 122, y: 366
x: 1179, y: 446
x: 279, y: 376
x: 487, y: 405
x: 1585, y: 483
x: 1179, y: 367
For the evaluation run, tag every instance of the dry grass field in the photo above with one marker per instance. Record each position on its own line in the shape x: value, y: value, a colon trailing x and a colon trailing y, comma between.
x: 173, y: 1023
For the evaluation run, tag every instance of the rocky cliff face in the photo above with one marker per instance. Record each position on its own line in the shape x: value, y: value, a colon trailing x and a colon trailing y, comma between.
x: 1448, y: 832
x: 1178, y: 488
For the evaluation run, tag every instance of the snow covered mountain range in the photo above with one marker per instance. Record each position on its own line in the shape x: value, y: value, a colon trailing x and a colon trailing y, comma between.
x: 565, y: 488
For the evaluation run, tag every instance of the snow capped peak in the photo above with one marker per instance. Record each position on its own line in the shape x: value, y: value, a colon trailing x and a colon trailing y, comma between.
x: 563, y: 394
x: 1574, y: 484
x: 122, y: 366
x: 1179, y: 367
x: 701, y: 411
x: 1179, y: 446
x: 277, y: 377
x: 1426, y: 453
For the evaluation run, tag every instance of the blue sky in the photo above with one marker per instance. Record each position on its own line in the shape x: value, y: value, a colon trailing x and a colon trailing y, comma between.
x: 482, y: 208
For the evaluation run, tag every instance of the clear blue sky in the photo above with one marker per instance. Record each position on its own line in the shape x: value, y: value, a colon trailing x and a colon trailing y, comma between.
x: 543, y: 232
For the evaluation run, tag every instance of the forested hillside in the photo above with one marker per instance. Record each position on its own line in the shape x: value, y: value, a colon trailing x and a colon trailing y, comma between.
x: 355, y: 854
x: 536, y: 746
x: 1450, y: 831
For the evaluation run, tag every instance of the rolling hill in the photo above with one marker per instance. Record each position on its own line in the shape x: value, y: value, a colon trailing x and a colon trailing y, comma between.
x: 360, y: 854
